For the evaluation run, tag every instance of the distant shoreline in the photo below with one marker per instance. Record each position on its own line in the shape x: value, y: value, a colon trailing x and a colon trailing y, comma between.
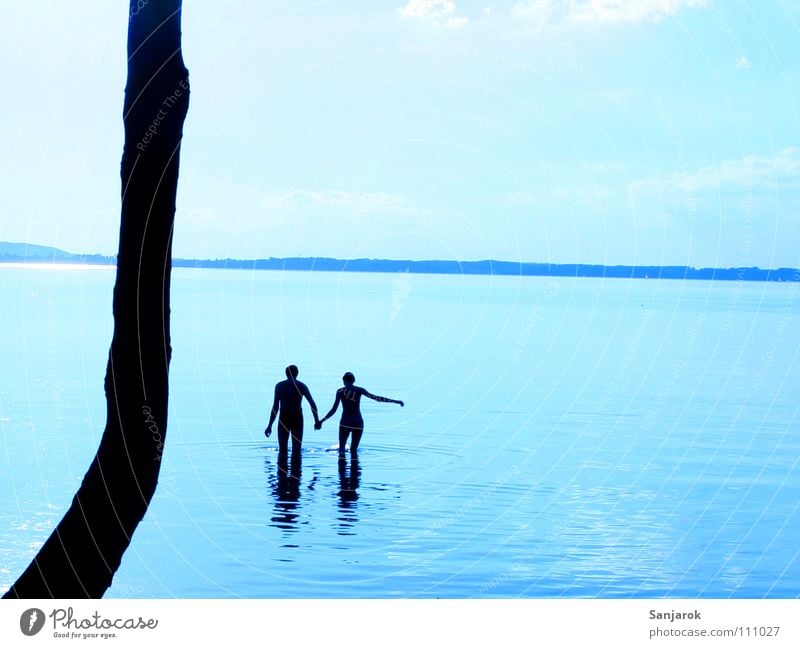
x: 475, y: 268
x: 24, y: 254
x: 44, y: 265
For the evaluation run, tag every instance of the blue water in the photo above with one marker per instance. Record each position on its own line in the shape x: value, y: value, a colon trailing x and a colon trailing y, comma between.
x: 561, y: 437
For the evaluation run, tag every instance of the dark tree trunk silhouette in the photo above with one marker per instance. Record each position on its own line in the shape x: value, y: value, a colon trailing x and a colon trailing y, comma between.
x: 80, y: 557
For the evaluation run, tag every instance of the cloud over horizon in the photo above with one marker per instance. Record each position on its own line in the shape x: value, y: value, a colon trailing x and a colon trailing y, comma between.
x: 748, y: 172
x: 604, y: 11
x: 434, y: 12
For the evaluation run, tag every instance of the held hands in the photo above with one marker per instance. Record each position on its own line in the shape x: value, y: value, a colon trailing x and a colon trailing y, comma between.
x: 318, y: 425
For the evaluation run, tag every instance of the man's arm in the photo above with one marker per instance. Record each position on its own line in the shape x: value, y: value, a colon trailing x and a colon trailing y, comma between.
x: 305, y: 391
x: 273, y: 413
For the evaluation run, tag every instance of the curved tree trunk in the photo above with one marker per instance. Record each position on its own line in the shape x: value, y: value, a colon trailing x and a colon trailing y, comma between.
x: 80, y: 557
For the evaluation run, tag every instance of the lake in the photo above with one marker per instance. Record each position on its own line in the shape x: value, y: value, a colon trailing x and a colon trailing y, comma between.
x: 562, y: 437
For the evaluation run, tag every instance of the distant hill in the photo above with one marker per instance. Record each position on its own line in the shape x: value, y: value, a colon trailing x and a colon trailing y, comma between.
x: 21, y: 252
x: 27, y: 253
x: 32, y: 252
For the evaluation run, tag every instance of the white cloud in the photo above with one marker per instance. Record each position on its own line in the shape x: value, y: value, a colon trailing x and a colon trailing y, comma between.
x: 749, y: 172
x: 742, y: 63
x: 632, y: 10
x: 457, y: 23
x: 434, y: 12
x: 604, y: 11
x: 427, y: 8
x: 535, y: 8
x: 755, y: 170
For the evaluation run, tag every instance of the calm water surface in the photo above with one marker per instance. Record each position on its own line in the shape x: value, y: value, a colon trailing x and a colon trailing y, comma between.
x: 561, y: 437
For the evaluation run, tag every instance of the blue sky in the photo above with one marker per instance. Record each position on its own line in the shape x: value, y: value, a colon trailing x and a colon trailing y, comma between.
x: 594, y: 131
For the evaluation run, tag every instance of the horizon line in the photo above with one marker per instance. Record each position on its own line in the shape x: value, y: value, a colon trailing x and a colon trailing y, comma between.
x: 79, y: 256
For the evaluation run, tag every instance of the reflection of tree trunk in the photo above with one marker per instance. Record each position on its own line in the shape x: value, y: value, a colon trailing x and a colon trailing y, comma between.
x: 80, y: 557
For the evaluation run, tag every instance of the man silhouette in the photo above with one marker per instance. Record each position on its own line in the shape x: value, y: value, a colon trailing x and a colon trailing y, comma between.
x: 288, y: 398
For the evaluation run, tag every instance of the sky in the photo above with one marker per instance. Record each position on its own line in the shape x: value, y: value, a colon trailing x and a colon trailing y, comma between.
x: 638, y: 132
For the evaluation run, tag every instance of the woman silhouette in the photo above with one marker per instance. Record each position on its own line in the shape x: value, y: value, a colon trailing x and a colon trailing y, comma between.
x: 351, y: 422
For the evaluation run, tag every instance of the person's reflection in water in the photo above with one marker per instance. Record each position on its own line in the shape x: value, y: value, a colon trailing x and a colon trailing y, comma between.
x: 348, y: 494
x: 285, y: 486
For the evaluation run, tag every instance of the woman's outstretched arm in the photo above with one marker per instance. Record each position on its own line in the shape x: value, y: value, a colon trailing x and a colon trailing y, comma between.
x: 383, y: 399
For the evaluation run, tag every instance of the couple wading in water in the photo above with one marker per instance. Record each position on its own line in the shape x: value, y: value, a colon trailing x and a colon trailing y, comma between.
x: 288, y: 400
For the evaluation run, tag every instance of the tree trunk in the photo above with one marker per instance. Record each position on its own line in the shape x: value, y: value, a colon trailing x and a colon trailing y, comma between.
x: 81, y: 556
